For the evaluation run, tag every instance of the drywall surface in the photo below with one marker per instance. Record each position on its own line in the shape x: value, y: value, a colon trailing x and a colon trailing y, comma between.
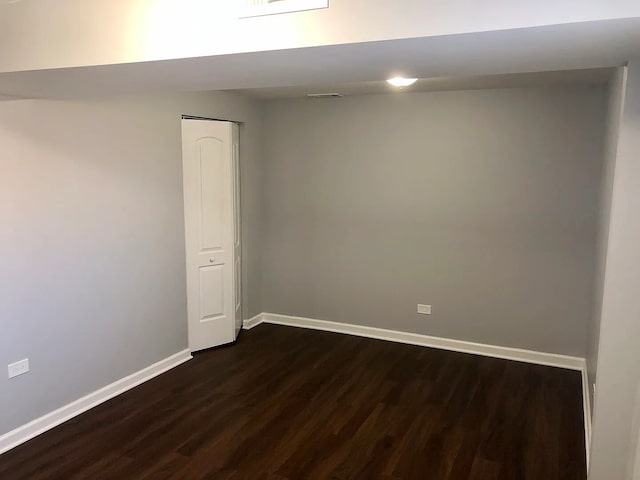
x: 481, y: 203
x: 53, y: 34
x: 616, y: 427
x: 614, y: 112
x: 92, y: 284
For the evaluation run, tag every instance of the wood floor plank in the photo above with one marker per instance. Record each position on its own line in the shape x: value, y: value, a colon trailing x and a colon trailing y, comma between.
x: 291, y: 404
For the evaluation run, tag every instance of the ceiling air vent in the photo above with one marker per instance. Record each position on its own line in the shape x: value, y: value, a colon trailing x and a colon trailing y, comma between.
x: 324, y: 95
x: 257, y: 8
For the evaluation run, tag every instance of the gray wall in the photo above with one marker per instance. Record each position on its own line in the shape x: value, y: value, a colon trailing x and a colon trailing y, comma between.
x: 616, y: 427
x: 92, y: 284
x: 481, y: 203
x: 614, y: 112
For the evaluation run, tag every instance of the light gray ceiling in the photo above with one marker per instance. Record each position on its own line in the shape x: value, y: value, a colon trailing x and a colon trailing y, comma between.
x: 597, y: 76
x: 561, y: 47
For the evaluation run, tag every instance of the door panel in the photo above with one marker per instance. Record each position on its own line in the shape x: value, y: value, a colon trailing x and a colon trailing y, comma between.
x: 211, y: 214
x: 211, y: 237
x: 212, y: 293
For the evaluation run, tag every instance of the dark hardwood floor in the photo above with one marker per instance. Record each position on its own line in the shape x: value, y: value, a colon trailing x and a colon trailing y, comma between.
x: 287, y: 403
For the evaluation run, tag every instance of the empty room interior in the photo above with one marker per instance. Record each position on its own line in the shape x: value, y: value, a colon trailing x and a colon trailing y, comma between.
x: 311, y: 239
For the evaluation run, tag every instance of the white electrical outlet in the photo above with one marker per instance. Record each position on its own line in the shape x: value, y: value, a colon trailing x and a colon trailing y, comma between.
x: 18, y: 368
x: 424, y: 309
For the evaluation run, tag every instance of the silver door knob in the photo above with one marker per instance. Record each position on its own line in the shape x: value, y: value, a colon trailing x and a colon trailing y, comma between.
x: 212, y: 259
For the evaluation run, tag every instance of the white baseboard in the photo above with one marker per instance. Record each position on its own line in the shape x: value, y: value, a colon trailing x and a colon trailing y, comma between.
x: 508, y: 353
x: 586, y: 408
x: 249, y: 323
x: 40, y: 425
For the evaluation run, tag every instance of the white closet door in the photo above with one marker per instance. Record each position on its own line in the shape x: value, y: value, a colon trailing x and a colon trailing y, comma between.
x: 210, y: 239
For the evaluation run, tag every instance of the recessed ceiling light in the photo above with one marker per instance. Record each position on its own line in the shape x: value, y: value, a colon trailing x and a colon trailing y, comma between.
x: 401, y: 81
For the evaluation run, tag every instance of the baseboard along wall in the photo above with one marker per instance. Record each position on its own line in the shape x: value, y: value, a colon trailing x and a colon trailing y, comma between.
x: 508, y: 353
x: 40, y: 425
